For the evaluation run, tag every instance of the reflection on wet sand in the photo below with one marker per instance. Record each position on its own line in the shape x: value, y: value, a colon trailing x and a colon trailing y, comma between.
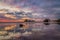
x: 9, y: 27
x: 29, y: 31
x: 13, y: 30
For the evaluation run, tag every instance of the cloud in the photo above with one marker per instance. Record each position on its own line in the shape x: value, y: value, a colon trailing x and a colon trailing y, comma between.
x: 43, y: 8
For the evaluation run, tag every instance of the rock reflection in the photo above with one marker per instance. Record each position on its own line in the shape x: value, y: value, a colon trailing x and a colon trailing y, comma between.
x: 47, y: 23
x: 58, y: 23
x: 24, y: 26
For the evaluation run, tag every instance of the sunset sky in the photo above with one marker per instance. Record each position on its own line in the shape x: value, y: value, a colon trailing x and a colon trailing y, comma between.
x: 30, y: 8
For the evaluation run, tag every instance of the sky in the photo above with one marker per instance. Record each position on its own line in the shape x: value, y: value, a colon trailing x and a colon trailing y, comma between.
x: 38, y: 8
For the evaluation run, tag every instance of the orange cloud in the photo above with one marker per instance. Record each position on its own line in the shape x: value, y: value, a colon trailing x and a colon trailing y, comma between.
x: 7, y: 20
x: 10, y: 16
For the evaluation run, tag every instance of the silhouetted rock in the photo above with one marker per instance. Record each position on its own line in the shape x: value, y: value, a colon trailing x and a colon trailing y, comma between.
x: 58, y: 21
x: 46, y: 20
x: 29, y: 20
